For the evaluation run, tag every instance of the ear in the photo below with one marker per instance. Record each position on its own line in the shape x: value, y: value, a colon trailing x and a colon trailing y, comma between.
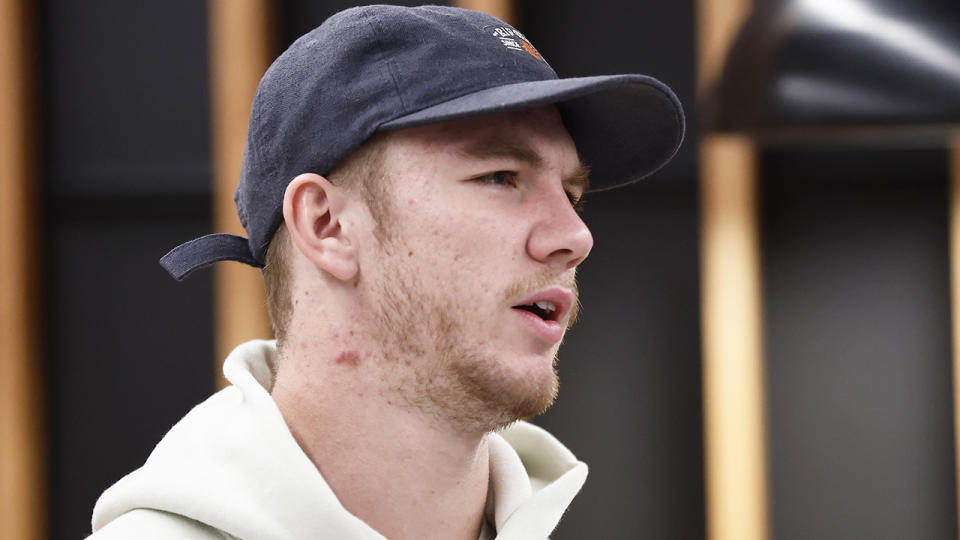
x: 312, y: 210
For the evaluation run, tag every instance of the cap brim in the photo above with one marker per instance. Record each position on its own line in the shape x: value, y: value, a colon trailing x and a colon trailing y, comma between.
x: 625, y: 127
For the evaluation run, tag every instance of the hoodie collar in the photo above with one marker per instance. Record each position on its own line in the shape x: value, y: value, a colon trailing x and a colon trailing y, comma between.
x: 233, y: 464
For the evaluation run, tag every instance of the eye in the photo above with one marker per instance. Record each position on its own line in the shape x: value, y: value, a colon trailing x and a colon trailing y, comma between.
x: 576, y: 201
x: 499, y: 178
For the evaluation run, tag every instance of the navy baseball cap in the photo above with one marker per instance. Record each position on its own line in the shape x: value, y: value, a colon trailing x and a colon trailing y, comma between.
x: 385, y: 68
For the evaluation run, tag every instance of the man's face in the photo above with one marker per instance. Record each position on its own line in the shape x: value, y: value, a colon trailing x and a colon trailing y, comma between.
x: 472, y: 278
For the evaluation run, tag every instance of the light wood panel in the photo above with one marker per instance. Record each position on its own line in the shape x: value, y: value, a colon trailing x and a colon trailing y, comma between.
x: 502, y: 9
x: 240, y: 51
x: 735, y: 442
x: 22, y: 478
x: 717, y: 24
x: 733, y: 374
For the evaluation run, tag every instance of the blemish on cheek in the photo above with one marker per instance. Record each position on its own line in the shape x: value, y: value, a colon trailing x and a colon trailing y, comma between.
x: 410, y: 202
x: 347, y: 358
x: 457, y: 257
x: 406, y: 362
x: 410, y: 254
x: 351, y: 332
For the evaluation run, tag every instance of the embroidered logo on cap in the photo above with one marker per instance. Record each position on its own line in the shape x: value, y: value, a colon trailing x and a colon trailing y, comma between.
x: 514, y: 40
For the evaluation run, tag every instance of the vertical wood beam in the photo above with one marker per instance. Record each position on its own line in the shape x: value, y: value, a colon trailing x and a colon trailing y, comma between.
x: 955, y: 298
x: 240, y: 43
x: 22, y: 463
x: 718, y: 22
x: 733, y: 374
x: 733, y: 365
x: 504, y: 10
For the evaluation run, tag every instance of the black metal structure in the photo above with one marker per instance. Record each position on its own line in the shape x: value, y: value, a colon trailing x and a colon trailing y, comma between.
x: 840, y: 63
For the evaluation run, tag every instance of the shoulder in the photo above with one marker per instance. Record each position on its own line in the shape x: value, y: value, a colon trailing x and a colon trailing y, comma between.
x: 148, y: 524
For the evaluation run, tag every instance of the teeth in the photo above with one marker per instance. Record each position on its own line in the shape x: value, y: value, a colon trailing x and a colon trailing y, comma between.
x: 546, y: 306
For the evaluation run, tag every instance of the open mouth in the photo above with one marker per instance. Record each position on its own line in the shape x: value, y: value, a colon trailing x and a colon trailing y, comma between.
x: 544, y: 309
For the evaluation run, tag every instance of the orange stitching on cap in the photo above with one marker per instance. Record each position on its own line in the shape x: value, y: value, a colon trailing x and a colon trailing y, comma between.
x: 529, y: 48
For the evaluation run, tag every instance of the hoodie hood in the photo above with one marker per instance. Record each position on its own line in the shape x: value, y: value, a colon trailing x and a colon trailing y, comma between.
x: 232, y: 464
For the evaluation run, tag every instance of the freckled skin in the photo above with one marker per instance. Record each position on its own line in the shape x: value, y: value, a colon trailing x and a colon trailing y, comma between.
x: 473, y: 240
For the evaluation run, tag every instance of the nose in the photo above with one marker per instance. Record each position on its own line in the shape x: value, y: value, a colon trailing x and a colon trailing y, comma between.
x: 558, y: 236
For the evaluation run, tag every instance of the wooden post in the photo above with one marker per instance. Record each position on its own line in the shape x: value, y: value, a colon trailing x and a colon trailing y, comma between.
x: 501, y: 9
x: 240, y: 51
x: 733, y: 374
x: 733, y: 364
x: 22, y: 456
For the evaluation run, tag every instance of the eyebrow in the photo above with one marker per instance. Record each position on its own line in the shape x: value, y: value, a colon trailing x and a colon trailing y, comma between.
x: 500, y: 148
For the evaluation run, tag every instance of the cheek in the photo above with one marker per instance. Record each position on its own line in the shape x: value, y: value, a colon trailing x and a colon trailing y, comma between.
x: 478, y: 241
x: 462, y: 240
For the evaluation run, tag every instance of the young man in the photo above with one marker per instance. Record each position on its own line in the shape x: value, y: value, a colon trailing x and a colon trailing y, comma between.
x: 409, y: 187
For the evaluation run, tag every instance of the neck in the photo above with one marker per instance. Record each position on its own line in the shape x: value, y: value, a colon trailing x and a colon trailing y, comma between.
x: 400, y: 471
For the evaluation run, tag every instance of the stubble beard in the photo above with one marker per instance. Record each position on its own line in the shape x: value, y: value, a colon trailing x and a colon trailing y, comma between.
x: 461, y: 384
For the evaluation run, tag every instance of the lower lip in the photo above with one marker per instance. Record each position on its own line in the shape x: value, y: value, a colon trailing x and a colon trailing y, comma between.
x: 548, y: 331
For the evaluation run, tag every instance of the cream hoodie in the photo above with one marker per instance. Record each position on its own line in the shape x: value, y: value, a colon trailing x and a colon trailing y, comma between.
x: 231, y: 469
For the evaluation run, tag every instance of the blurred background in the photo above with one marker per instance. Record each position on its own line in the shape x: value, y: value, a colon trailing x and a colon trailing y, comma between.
x: 767, y: 342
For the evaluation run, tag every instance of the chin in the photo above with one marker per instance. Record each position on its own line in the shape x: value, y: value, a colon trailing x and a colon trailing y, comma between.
x: 534, y: 399
x: 496, y: 394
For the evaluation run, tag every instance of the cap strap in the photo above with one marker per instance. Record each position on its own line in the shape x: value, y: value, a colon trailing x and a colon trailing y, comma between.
x: 206, y: 250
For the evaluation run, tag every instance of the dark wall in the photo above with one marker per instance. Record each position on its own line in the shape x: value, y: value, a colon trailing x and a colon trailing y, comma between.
x: 858, y: 343
x: 126, y: 159
x: 297, y: 17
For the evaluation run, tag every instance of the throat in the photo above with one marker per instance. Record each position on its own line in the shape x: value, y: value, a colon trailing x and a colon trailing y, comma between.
x: 438, y: 478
